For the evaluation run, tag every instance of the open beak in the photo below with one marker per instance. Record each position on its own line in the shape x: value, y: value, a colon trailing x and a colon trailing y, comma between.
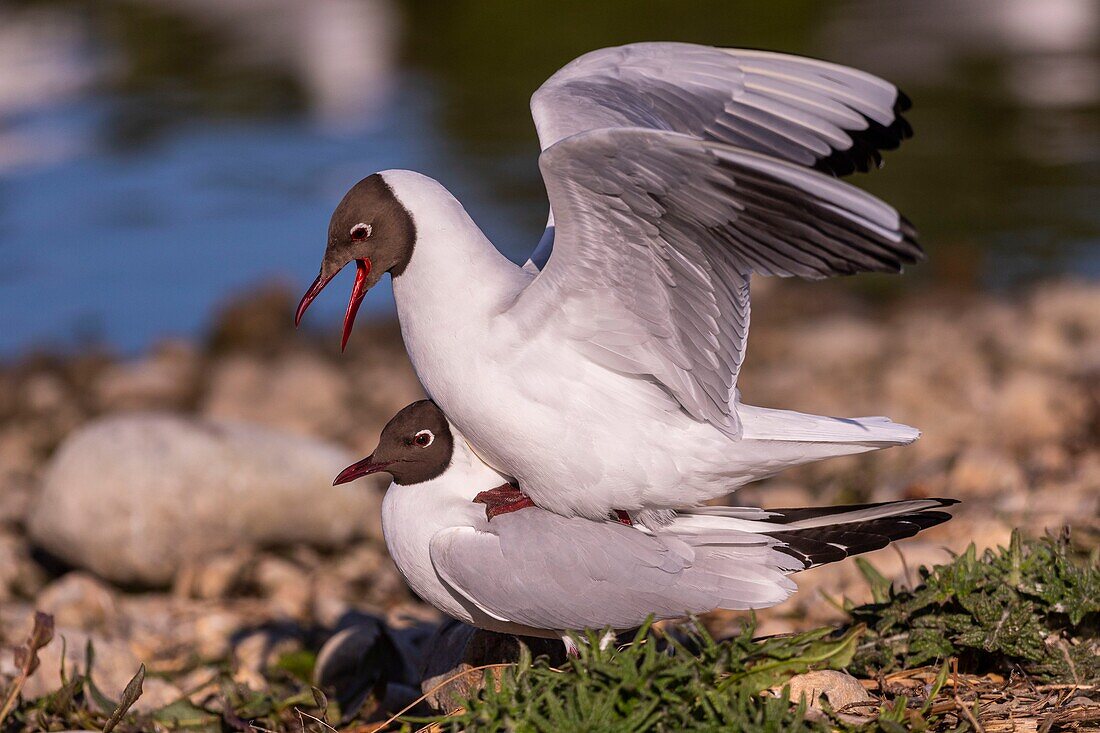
x: 314, y: 290
x: 364, y: 467
x: 362, y: 270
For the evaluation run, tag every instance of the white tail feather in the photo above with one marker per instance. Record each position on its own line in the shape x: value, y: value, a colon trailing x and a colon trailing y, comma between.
x: 759, y: 423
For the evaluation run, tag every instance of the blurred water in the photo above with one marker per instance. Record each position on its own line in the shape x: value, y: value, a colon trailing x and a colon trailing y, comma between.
x: 158, y: 155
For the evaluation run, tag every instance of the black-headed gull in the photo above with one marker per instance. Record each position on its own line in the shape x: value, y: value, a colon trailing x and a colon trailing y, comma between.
x: 537, y: 573
x: 607, y: 379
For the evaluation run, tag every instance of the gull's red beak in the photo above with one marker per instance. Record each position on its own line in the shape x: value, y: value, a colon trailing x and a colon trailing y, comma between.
x: 364, y: 467
x: 314, y: 290
x: 362, y: 270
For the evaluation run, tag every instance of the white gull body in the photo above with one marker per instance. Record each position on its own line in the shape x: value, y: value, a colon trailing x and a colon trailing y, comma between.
x: 602, y: 374
x: 511, y: 369
x: 537, y: 573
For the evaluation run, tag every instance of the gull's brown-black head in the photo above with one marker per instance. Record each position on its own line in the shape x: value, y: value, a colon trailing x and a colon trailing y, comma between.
x: 371, y: 228
x: 415, y: 446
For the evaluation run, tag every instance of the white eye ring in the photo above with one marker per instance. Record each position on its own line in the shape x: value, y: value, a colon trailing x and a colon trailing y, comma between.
x: 431, y: 438
x: 361, y: 226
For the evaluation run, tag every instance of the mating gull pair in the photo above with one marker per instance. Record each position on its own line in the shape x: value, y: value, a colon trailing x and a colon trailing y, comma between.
x: 600, y: 377
x: 537, y: 573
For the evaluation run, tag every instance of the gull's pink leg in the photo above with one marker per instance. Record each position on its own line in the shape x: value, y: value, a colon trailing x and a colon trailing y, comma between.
x: 508, y: 498
x: 502, y: 500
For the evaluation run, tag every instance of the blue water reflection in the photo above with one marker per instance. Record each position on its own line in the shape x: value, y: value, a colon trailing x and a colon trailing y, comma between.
x: 156, y: 156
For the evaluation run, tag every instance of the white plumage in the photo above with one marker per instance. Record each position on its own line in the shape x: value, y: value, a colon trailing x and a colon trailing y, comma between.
x: 602, y: 375
x: 537, y: 573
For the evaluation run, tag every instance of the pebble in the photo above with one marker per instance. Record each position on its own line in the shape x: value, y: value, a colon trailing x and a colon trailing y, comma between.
x: 79, y: 600
x: 134, y: 497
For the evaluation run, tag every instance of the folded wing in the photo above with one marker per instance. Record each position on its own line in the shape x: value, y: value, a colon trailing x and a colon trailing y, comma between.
x: 584, y: 574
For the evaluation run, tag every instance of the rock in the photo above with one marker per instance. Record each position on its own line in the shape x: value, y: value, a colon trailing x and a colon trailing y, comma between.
x: 446, y: 657
x: 986, y: 472
x: 839, y: 688
x: 286, y: 586
x: 11, y: 550
x: 168, y: 379
x: 301, y: 393
x: 78, y: 600
x: 370, y: 576
x: 17, y: 457
x: 255, y: 321
x: 1033, y: 408
x: 19, y: 574
x: 134, y: 497
x: 330, y: 600
x: 45, y: 392
x: 115, y: 664
x: 214, y: 577
x: 257, y: 651
x: 213, y: 633
x: 1072, y: 311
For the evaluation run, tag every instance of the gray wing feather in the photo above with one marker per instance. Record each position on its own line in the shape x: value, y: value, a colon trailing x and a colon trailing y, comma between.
x: 551, y: 572
x: 657, y: 235
x: 803, y: 110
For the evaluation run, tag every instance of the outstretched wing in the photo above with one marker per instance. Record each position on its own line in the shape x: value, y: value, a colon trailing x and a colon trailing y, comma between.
x: 803, y: 110
x: 657, y: 234
x: 810, y: 112
x: 578, y: 574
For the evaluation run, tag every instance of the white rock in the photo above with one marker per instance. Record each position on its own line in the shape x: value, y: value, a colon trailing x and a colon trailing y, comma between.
x: 839, y: 688
x: 134, y: 497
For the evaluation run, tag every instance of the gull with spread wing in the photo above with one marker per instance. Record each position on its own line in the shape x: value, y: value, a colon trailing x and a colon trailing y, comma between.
x: 601, y: 375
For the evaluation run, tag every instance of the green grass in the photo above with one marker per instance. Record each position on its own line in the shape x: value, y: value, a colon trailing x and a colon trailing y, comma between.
x: 1030, y: 609
x: 1002, y: 624
x: 699, y: 686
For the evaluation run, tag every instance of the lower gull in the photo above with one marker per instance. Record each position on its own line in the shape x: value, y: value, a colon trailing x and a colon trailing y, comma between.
x: 537, y: 573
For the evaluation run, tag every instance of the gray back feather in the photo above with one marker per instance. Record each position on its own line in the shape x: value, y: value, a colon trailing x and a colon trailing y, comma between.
x: 546, y: 571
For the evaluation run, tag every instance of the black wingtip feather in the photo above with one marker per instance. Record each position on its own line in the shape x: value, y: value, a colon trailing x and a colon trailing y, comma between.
x: 864, y: 153
x: 903, y: 102
x: 820, y: 545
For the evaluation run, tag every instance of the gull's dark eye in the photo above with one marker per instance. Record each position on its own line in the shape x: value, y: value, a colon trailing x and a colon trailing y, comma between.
x: 424, y: 438
x: 360, y: 231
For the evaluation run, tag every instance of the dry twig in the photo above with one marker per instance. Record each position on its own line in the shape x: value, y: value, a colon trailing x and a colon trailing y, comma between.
x: 26, y: 659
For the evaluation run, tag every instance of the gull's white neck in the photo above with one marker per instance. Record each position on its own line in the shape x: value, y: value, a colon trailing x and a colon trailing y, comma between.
x: 452, y: 290
x: 413, y: 515
x: 455, y: 274
x: 447, y: 499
